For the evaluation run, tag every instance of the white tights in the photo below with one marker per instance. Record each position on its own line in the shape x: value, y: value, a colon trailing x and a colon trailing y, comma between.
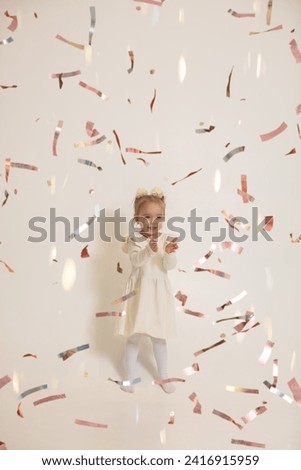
x: 160, y: 353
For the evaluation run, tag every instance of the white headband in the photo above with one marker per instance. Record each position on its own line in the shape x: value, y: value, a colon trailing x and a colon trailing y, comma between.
x: 157, y: 192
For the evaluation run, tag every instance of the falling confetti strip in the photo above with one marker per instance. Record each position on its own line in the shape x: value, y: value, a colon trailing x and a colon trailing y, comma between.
x: 110, y: 314
x: 171, y: 418
x: 119, y: 145
x: 214, y: 271
x: 232, y: 301
x: 295, y: 389
x: 296, y: 240
x: 274, y: 133
x: 181, y: 297
x: 292, y: 152
x: 269, y: 12
x: 83, y: 227
x: 203, y: 131
x: 228, y: 91
x: 266, y: 353
x: 227, y: 418
x: 248, y: 443
x: 30, y: 355
x: 32, y: 390
x: 126, y: 383
x: 62, y: 75
x: 125, y: 297
x: 92, y: 24
x: 153, y: 101
x: 208, y: 254
x: 201, y: 351
x: 90, y: 424
x: 197, y: 405
x: 49, y: 398
x: 298, y: 109
x: 233, y: 152
x: 241, y: 15
x: 276, y: 28
x: 119, y: 268
x: 19, y: 411
x: 71, y: 43
x: 89, y: 163
x: 6, y: 41
x: 243, y: 191
x: 132, y: 59
x: 14, y: 24
x: 250, y: 328
x: 6, y: 265
x: 4, y: 381
x: 191, y: 312
x: 277, y: 392
x: 69, y: 352
x: 143, y: 160
x: 4, y: 87
x: 295, y: 50
x: 94, y: 90
x: 253, y: 414
x: 84, y: 253
x: 91, y: 131
x: 189, y: 174
x: 191, y: 370
x: 231, y: 246
x: 167, y: 381
x: 275, y: 372
x: 246, y: 317
x: 97, y: 141
x: 232, y: 388
x: 56, y: 136
x: 6, y: 198
x: 134, y: 150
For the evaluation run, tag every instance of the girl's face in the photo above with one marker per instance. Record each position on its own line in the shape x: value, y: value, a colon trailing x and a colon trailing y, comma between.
x: 151, y: 217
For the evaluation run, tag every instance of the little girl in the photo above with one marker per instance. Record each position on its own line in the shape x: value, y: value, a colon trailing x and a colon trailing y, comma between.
x: 151, y: 310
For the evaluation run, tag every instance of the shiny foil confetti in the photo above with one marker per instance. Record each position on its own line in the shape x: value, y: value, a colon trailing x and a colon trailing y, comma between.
x: 4, y: 87
x: 4, y: 381
x: 110, y: 314
x: 94, y: 90
x: 134, y: 150
x: 248, y: 443
x: 92, y: 24
x: 269, y: 12
x: 191, y: 312
x: 19, y: 411
x: 216, y: 272
x: 191, y: 370
x: 34, y: 356
x: 295, y: 50
x: 91, y: 424
x: 14, y: 24
x: 292, y: 152
x: 227, y: 418
x: 233, y: 152
x: 232, y: 301
x: 243, y: 191
x: 62, y: 75
x: 89, y: 163
x: 126, y: 383
x: 69, y: 352
x: 187, y: 176
x: 167, y: 381
x: 241, y: 15
x: 181, y: 297
x: 171, y: 418
x: 119, y: 268
x: 88, y: 143
x: 71, y: 43
x: 266, y: 353
x: 49, y: 398
x: 231, y: 246
x: 276, y: 28
x: 295, y: 389
x: 91, y: 131
x: 277, y: 392
x: 232, y: 388
x: 208, y: 254
x: 295, y: 240
x: 201, y: 351
x: 153, y: 101
x: 83, y: 227
x: 6, y: 41
x: 32, y: 390
x: 253, y: 414
x: 268, y: 222
x: 125, y: 297
x: 197, y: 405
x: 250, y: 328
x: 245, y: 317
x: 275, y: 372
x: 228, y: 90
x: 119, y: 145
x: 132, y: 59
x: 56, y: 136
x: 84, y: 253
x: 203, y: 131
x: 7, y: 266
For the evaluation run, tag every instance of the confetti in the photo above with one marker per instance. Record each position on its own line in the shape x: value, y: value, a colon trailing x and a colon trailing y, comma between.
x: 267, y: 351
x: 192, y: 369
x: 6, y: 265
x: 232, y: 301
x: 248, y: 443
x: 125, y: 297
x: 274, y: 133
x: 92, y: 24
x: 197, y: 407
x: 295, y: 389
x: 189, y: 174
x: 208, y: 254
x: 296, y: 240
x: 298, y: 109
x: 243, y: 191
x: 246, y: 317
x: 126, y: 383
x: 91, y: 424
x: 191, y: 312
x: 49, y: 398
x: 253, y: 413
x: 229, y: 83
x: 253, y: 326
x: 233, y: 152
x: 269, y: 12
x: 32, y: 390
x: 24, y: 166
x: 56, y: 136
x: 241, y: 15
x: 181, y: 297
x: 132, y: 58
x: 84, y: 253
x: 90, y: 142
x: 232, y: 388
x: 119, y: 268
x: 6, y: 197
x: 118, y: 143
x: 268, y: 222
x: 295, y: 50
x: 6, y: 41
x: 4, y: 380
x: 276, y: 28
x: 91, y: 131
x: 62, y: 75
x: 4, y: 87
x: 71, y: 43
x: 227, y: 417
x: 153, y: 101
x: 167, y: 381
x: 214, y: 271
x: 3, y: 446
x: 134, y: 150
x: 158, y: 3
x: 203, y: 131
x: 143, y: 160
x: 275, y: 372
x: 19, y: 411
x: 277, y: 392
x: 69, y: 352
x: 30, y: 355
x: 171, y: 417
x: 201, y: 351
x: 94, y: 90
x: 231, y: 246
x: 83, y: 227
x: 89, y: 163
x: 14, y: 24
x: 291, y: 152
x: 111, y: 314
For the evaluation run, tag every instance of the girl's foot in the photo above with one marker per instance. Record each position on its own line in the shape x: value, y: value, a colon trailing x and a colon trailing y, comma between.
x: 127, y: 388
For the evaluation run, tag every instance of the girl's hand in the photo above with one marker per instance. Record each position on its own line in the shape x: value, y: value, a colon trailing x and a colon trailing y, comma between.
x: 153, y: 244
x: 172, y: 246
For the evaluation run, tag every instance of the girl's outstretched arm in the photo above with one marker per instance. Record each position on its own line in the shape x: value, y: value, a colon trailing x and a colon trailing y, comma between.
x: 139, y: 256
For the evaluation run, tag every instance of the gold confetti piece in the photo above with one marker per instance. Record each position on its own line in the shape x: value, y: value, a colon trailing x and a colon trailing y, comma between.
x: 253, y: 413
x: 296, y: 240
x: 90, y: 424
x: 89, y: 163
x: 119, y: 268
x: 267, y: 351
x: 214, y: 271
x: 295, y: 50
x: 197, y: 407
x: 71, y: 43
x: 277, y: 392
x: 158, y: 3
x: 118, y: 143
x: 30, y: 355
x: 111, y: 314
x: 134, y: 150
x: 269, y: 12
x: 153, y: 101
x: 275, y: 372
x: 201, y: 351
x: 229, y: 83
x: 69, y: 352
x: 94, y: 90
x: 171, y: 417
x: 248, y: 443
x: 233, y: 152
x: 4, y: 380
x: 203, y: 131
x: 4, y: 87
x: 191, y: 312
x: 208, y: 254
x: 82, y: 144
x: 62, y: 75
x: 291, y: 152
x: 232, y: 388
x: 241, y: 15
x: 167, y: 381
x: 91, y: 131
x: 6, y: 41
x: 92, y: 24
x: 32, y: 390
x: 243, y: 192
x: 187, y: 176
x: 6, y: 265
x: 125, y: 297
x: 132, y: 59
x: 126, y: 383
x: 232, y: 301
x: 49, y: 398
x: 276, y: 28
x: 181, y: 297
x: 19, y: 411
x: 231, y: 246
x: 84, y: 252
x: 56, y: 136
x: 192, y: 369
x: 227, y: 418
x: 295, y: 389
x: 268, y: 222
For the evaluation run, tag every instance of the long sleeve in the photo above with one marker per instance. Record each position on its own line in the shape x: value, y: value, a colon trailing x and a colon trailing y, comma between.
x: 169, y: 260
x: 139, y: 256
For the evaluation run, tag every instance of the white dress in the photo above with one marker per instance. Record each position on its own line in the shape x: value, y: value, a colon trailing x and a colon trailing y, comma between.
x: 151, y: 310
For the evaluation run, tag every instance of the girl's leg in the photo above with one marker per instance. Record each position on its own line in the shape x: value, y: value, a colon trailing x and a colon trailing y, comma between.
x: 160, y: 353
x: 131, y: 354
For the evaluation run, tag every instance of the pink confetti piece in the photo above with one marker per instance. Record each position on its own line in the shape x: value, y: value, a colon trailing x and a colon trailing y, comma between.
x: 227, y: 418
x: 191, y: 370
x: 91, y: 131
x: 49, y: 398
x: 298, y: 109
x: 110, y: 314
x: 119, y: 145
x: 7, y: 266
x: 71, y: 43
x: 84, y: 253
x: 232, y: 301
x: 233, y: 152
x: 97, y: 141
x: 171, y: 418
x: 192, y: 312
x: 69, y: 352
x: 19, y: 411
x: 187, y: 176
x: 201, y: 351
x: 296, y: 240
x: 167, y: 381
x: 231, y: 246
x: 253, y: 414
x: 248, y: 315
x: 62, y: 75
x: 293, y: 151
x: 3, y: 446
x: 274, y: 133
x: 276, y: 28
x: 56, y: 136
x: 241, y: 15
x: 158, y: 3
x: 30, y: 355
x: 132, y: 59
x: 216, y: 272
x: 275, y: 372
x: 125, y: 297
x: 92, y: 24
x: 4, y: 381
x: 228, y: 93
x: 269, y: 12
x: 90, y: 424
x: 295, y: 50
x: 181, y: 297
x: 14, y: 24
x: 248, y: 443
x: 153, y: 101
x: 197, y: 407
x: 243, y: 191
x: 277, y: 392
x: 24, y: 166
x: 32, y: 390
x: 94, y: 90
x: 4, y: 87
x: 295, y: 389
x: 250, y: 328
x: 135, y: 150
x: 266, y: 353
x: 207, y: 255
x: 232, y: 388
